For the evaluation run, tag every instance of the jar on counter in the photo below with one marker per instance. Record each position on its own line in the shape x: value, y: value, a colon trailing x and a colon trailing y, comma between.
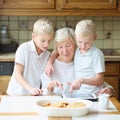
x: 4, y: 35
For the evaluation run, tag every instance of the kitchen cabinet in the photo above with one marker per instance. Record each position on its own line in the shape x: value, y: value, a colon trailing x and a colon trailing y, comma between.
x: 59, y: 7
x: 25, y: 7
x: 6, y: 69
x: 27, y: 4
x: 86, y: 4
x: 112, y: 76
x: 4, y: 80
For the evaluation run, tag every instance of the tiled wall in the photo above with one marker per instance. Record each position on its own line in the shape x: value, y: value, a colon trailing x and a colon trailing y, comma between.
x: 108, y: 28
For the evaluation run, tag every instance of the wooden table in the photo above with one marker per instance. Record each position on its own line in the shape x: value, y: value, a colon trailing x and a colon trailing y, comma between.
x: 113, y: 99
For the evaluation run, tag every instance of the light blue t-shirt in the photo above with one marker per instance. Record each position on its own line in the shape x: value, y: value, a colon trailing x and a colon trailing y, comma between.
x: 87, y: 65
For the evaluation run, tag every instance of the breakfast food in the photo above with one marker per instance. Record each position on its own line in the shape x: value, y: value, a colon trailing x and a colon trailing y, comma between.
x: 65, y: 105
x: 76, y: 105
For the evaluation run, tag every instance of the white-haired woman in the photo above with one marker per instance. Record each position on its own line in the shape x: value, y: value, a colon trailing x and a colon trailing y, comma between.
x: 65, y: 46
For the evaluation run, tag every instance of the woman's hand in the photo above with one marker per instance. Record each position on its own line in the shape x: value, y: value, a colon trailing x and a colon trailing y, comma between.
x: 54, y: 83
x: 36, y: 91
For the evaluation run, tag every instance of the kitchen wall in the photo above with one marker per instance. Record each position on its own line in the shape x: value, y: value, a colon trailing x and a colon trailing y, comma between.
x: 108, y: 28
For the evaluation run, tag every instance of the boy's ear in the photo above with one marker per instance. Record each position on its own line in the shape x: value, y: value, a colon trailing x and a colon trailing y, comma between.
x: 33, y: 36
x: 95, y: 37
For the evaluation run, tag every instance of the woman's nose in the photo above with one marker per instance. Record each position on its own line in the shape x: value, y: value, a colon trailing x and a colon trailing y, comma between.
x: 65, y: 50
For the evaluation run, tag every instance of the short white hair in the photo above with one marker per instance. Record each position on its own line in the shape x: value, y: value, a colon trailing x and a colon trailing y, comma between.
x: 43, y: 26
x: 85, y: 27
x: 64, y: 33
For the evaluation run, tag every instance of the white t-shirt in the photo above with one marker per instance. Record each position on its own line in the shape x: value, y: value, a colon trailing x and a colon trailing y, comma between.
x: 87, y: 65
x: 33, y: 63
x: 64, y: 72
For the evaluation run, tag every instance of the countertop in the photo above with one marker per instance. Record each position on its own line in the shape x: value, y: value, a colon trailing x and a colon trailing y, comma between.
x: 94, y: 113
x: 7, y: 57
x: 112, y: 58
x: 11, y: 57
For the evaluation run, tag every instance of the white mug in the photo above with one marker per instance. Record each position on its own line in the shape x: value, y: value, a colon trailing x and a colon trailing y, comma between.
x: 103, y: 101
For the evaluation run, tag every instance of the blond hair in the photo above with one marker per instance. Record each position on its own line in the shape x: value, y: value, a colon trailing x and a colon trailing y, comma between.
x: 85, y: 27
x: 43, y: 25
x: 64, y: 33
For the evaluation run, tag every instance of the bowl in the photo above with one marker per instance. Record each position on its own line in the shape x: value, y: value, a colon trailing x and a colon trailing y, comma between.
x: 53, y: 111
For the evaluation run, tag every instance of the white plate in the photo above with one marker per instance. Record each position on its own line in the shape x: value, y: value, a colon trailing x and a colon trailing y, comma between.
x: 47, y: 111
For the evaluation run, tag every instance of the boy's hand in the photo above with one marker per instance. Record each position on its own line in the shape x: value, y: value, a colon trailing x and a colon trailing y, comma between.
x: 49, y: 69
x: 75, y: 85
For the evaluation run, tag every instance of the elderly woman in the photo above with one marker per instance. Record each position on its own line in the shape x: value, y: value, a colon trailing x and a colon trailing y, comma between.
x: 65, y: 46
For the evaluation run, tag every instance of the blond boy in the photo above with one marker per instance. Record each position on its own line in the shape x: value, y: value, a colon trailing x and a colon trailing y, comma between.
x: 30, y: 60
x: 88, y: 61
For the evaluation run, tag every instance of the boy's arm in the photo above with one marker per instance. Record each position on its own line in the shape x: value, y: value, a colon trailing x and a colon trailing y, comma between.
x: 19, y: 77
x: 49, y: 66
x: 96, y: 81
x: 106, y: 90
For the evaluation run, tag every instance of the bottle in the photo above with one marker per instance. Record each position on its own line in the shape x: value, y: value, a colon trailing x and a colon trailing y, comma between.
x: 4, y: 35
x: 4, y: 32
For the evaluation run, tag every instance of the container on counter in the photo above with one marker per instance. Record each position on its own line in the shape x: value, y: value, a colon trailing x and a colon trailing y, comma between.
x: 4, y: 39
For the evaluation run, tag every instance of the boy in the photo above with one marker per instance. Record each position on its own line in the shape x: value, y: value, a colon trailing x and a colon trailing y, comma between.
x: 30, y: 60
x: 88, y: 61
